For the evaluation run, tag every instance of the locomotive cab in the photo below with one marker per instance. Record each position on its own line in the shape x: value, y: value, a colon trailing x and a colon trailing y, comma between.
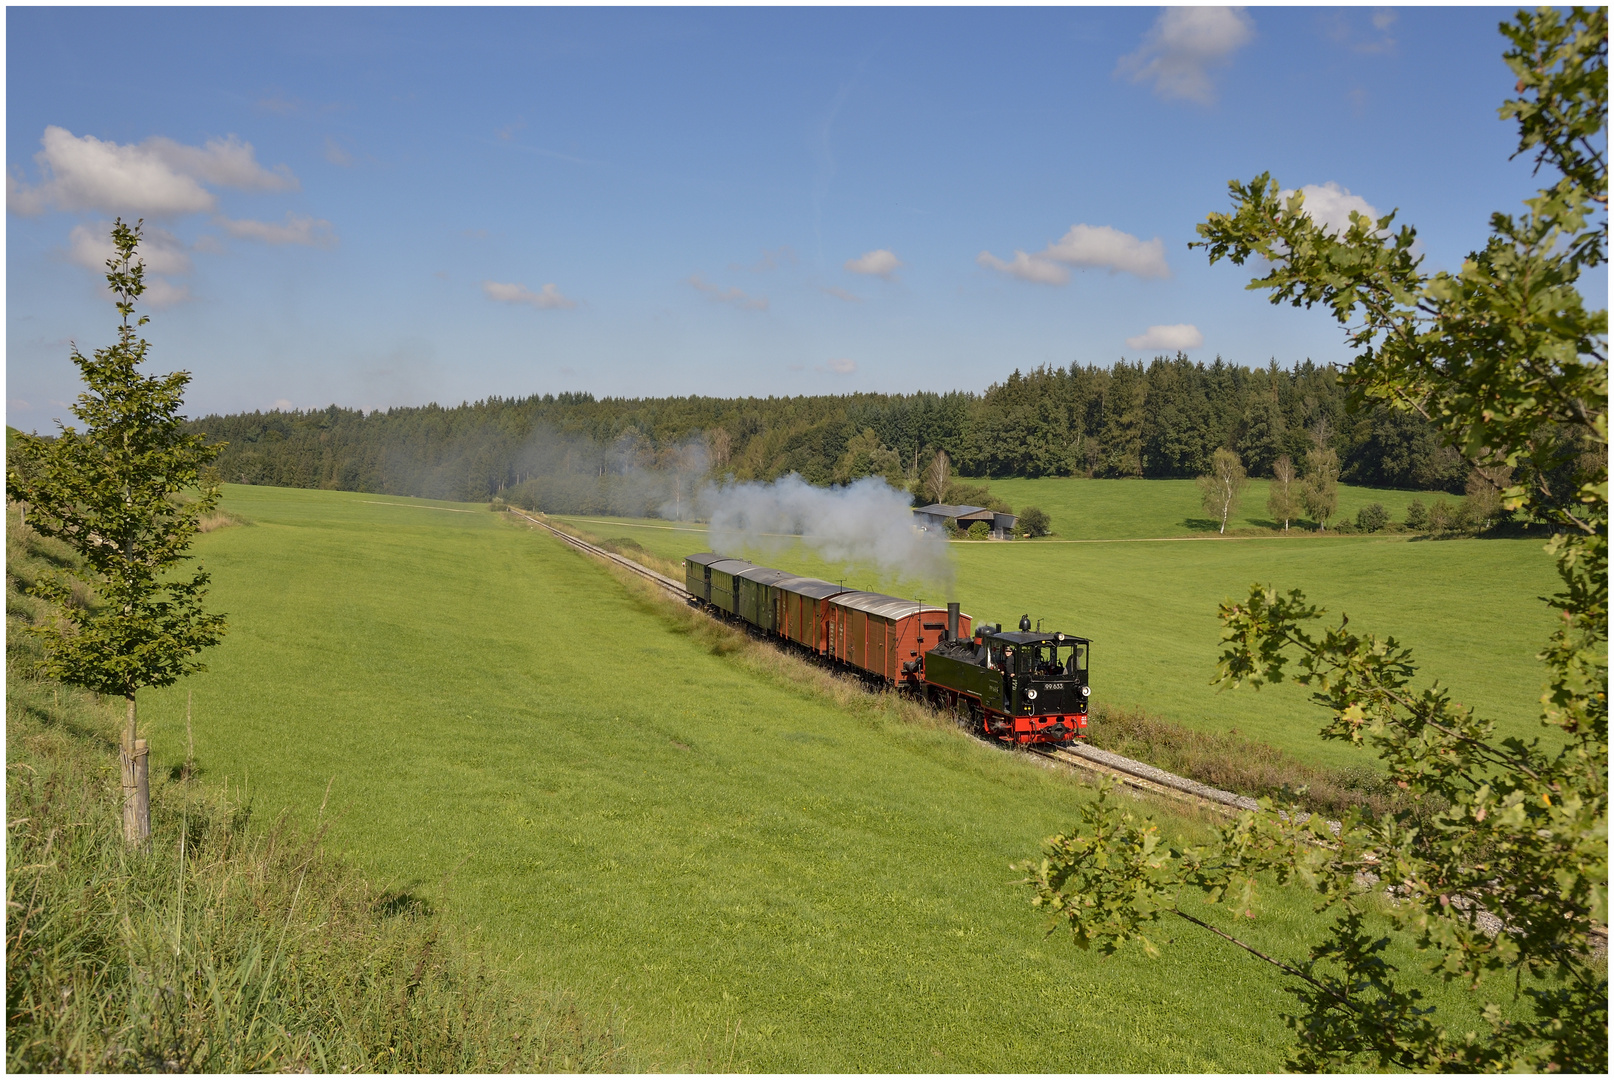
x: 1047, y: 675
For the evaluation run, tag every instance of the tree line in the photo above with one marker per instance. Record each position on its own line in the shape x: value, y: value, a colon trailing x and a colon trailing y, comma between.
x: 1166, y: 418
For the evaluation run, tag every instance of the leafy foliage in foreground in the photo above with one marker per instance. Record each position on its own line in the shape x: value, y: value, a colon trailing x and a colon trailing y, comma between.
x: 1509, y: 881
x: 225, y: 947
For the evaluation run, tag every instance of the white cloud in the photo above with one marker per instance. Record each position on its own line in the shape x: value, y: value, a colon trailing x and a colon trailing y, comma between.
x: 298, y: 229
x: 226, y: 162
x: 1179, y: 336
x: 842, y: 366
x: 1330, y: 206
x: 734, y: 296
x: 879, y: 263
x: 1026, y: 267
x: 1181, y: 47
x: 156, y: 178
x: 548, y: 299
x: 1341, y: 27
x: 1097, y: 246
x: 842, y: 294
x: 90, y: 246
x: 1110, y: 249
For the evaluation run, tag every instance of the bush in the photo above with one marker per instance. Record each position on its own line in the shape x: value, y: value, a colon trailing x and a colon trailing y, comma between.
x: 1033, y: 522
x: 1443, y: 517
x: 1417, y: 514
x: 979, y: 531
x: 1347, y: 528
x: 1372, y: 518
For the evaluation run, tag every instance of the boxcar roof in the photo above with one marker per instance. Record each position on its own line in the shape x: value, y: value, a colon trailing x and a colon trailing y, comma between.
x: 763, y: 575
x: 890, y: 607
x: 814, y: 588
x: 705, y: 558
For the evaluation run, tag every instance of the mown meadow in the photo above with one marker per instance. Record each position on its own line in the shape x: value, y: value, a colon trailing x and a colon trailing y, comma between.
x: 1133, y: 569
x: 624, y: 803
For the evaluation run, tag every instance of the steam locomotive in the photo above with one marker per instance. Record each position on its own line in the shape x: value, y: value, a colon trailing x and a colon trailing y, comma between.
x: 1015, y: 687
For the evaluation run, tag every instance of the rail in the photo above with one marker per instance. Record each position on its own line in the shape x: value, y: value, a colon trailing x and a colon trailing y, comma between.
x: 1146, y: 778
x: 674, y: 587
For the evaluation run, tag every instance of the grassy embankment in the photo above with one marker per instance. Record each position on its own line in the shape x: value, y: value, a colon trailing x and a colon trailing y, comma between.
x: 1467, y: 607
x: 757, y: 868
x: 224, y: 947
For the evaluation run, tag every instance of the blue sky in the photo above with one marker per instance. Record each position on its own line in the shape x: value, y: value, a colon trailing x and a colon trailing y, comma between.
x: 380, y: 207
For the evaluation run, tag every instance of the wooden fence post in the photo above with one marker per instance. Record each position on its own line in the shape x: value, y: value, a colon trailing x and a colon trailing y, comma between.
x: 136, y: 794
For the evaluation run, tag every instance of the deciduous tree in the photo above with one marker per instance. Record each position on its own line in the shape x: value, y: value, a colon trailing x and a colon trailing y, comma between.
x: 120, y: 493
x: 1502, y: 885
x: 1319, y: 488
x: 1283, y: 498
x: 937, y: 474
x: 1221, y: 488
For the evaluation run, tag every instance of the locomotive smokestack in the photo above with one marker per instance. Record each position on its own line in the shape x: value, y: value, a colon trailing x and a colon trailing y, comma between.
x: 952, y: 621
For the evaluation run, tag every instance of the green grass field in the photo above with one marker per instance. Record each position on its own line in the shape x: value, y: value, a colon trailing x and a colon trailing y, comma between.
x: 741, y: 872
x: 1080, y: 509
x: 1466, y: 606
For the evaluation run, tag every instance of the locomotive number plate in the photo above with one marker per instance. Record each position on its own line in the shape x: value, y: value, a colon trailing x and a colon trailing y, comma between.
x: 1056, y: 686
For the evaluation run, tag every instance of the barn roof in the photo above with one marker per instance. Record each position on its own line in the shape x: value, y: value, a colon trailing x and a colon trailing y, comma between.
x: 947, y: 510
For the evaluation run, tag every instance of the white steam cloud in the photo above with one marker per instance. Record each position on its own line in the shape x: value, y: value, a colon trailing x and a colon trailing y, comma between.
x: 867, y: 524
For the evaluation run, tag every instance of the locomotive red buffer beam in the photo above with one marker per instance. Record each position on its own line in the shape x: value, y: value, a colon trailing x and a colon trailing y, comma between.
x: 1038, y: 729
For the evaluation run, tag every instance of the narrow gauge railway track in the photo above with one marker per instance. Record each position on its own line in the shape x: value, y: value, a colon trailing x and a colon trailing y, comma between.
x: 674, y: 587
x: 1100, y: 763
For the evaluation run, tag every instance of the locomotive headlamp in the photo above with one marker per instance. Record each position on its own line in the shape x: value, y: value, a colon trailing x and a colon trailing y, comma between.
x: 1086, y: 690
x: 1031, y: 695
x: 1059, y: 637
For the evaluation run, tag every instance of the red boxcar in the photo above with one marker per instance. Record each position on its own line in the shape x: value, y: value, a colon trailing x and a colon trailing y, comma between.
x: 879, y: 634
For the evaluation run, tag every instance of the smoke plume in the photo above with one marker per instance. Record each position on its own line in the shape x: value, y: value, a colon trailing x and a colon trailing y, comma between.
x: 866, y: 524
x: 570, y: 473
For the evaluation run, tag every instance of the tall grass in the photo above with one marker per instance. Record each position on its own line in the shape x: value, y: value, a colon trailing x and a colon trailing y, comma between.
x: 226, y: 945
x: 1232, y: 762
